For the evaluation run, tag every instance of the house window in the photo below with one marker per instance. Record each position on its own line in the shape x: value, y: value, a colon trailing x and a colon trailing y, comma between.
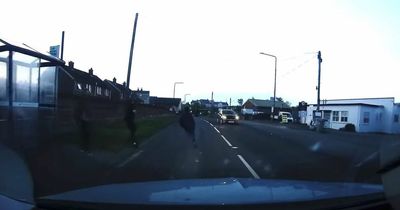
x: 396, y: 118
x: 343, y: 116
x: 89, y: 88
x: 98, y: 90
x: 366, y: 117
x: 106, y: 92
x: 335, y: 116
x: 79, y: 86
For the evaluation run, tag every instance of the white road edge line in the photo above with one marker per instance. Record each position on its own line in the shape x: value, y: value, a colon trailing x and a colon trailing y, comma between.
x: 248, y: 167
x: 129, y: 159
x: 226, y: 140
x: 216, y: 130
x: 370, y: 157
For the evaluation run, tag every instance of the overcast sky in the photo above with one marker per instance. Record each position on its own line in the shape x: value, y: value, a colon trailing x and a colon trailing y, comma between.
x: 214, y: 45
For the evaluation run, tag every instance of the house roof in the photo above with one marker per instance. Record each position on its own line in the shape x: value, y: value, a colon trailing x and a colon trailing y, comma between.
x: 84, y: 77
x: 268, y: 103
x: 208, y: 102
x: 112, y: 84
x: 165, y: 101
x: 352, y: 99
x: 222, y: 103
x: 348, y: 104
x: 120, y: 88
x: 204, y: 101
x: 142, y: 91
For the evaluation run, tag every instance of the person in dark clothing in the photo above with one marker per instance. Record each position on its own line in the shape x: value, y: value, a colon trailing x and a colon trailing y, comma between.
x: 130, y: 122
x: 187, y: 123
x: 81, y: 119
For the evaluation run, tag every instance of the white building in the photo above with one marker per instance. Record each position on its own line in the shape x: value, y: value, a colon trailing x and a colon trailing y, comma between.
x: 367, y: 114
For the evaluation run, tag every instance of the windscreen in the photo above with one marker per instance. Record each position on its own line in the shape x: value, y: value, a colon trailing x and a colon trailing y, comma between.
x: 228, y: 112
x: 160, y: 91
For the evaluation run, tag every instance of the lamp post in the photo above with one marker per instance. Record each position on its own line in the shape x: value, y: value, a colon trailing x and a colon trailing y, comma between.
x: 184, y: 98
x: 276, y: 60
x: 176, y: 83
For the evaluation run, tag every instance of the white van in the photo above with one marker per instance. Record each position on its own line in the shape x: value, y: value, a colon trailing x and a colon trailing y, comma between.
x: 288, y: 115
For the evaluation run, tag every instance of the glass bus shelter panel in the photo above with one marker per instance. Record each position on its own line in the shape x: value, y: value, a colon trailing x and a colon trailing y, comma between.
x: 3, y: 78
x: 47, y: 85
x: 25, y: 78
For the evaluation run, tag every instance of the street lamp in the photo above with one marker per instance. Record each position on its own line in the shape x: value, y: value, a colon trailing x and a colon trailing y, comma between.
x: 176, y: 83
x: 184, y: 98
x: 273, y: 106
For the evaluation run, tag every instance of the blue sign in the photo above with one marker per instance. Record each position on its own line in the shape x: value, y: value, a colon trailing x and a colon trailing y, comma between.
x: 55, y: 51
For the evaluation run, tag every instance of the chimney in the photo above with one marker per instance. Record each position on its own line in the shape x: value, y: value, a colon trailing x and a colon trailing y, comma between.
x: 114, y: 80
x: 71, y: 64
x: 124, y: 84
x: 91, y: 71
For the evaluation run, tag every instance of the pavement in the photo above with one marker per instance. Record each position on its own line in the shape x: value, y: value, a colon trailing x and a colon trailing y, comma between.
x: 249, y: 150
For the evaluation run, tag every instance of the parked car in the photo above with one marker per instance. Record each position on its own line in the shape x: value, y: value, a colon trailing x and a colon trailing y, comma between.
x: 227, y: 116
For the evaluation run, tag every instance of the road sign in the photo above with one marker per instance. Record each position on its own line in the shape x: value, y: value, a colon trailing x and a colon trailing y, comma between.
x: 55, y: 51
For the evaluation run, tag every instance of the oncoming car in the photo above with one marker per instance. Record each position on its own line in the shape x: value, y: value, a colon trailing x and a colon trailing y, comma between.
x: 227, y: 116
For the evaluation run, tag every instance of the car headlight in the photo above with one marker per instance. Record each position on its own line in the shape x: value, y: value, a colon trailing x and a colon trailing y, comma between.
x: 223, y: 117
x: 237, y: 117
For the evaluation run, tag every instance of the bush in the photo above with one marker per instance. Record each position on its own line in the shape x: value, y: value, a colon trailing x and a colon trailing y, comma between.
x: 349, y: 128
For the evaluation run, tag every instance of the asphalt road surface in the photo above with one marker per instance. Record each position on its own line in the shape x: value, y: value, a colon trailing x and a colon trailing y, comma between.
x: 251, y: 149
x: 248, y: 150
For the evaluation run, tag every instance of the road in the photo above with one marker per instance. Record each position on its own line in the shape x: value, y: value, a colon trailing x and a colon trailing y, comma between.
x: 248, y: 150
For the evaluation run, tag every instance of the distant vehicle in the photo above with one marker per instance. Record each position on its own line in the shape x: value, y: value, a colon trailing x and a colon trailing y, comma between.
x: 227, y: 116
x: 288, y: 115
x: 248, y: 112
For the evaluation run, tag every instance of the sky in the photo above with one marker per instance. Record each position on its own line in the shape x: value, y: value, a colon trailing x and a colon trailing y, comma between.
x: 214, y: 46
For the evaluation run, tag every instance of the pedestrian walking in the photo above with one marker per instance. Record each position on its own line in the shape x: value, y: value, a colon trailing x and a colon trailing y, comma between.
x: 82, y: 122
x: 130, y: 113
x: 187, y: 123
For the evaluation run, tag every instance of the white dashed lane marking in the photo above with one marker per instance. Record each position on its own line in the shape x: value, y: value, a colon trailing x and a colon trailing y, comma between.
x: 226, y: 140
x: 129, y: 159
x: 255, y: 175
x: 249, y: 168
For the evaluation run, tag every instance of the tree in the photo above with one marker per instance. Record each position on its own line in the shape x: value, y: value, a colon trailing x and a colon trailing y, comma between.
x: 195, y: 108
x: 240, y: 101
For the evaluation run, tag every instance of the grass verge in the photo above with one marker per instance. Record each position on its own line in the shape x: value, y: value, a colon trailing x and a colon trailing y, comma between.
x: 149, y: 126
x: 114, y: 136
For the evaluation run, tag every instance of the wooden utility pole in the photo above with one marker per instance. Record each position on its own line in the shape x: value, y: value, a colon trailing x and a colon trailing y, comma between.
x: 131, y: 52
x: 319, y: 79
x: 62, y: 45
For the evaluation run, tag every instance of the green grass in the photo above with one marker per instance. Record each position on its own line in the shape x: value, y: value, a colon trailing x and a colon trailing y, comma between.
x: 114, y: 136
x: 149, y: 126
